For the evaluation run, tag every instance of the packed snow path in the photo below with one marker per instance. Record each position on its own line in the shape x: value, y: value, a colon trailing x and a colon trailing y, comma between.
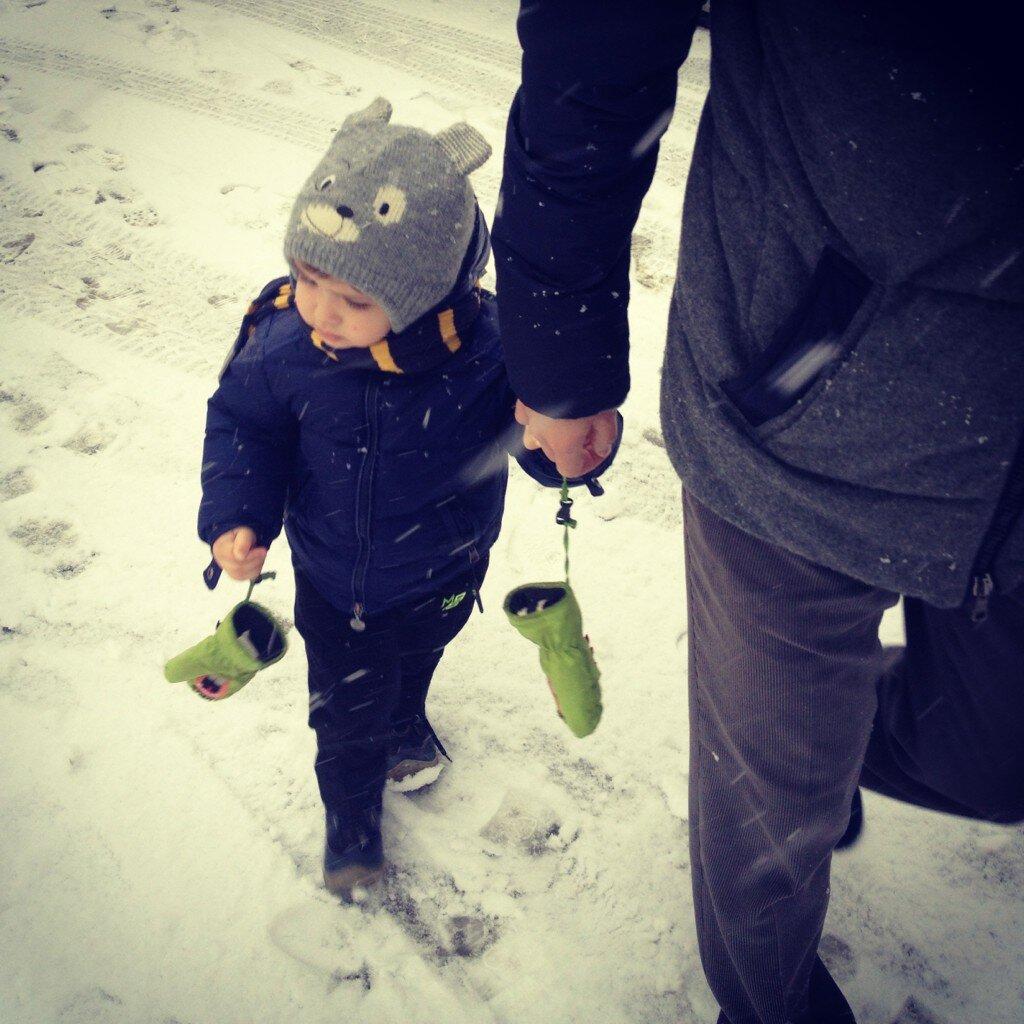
x: 161, y: 855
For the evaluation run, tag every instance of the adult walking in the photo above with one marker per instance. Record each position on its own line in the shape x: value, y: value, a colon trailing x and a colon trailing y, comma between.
x: 842, y: 396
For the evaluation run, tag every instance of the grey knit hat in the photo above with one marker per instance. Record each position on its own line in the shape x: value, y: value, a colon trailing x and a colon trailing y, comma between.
x: 390, y: 210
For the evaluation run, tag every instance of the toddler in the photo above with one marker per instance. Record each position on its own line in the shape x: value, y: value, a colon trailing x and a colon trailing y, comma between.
x: 365, y: 407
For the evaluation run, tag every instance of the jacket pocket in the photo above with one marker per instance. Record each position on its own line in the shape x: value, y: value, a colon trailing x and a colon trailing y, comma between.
x: 463, y: 529
x: 809, y: 344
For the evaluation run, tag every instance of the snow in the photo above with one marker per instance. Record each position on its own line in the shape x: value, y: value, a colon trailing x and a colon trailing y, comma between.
x: 161, y: 853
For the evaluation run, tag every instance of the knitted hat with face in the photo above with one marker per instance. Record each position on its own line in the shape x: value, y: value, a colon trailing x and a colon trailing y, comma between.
x: 390, y: 210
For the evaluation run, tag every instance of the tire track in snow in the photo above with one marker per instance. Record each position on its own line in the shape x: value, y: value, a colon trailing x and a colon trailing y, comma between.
x: 438, y: 53
x: 127, y: 300
x: 241, y: 111
x: 457, y: 44
x: 182, y: 331
x: 412, y: 45
x: 656, y: 242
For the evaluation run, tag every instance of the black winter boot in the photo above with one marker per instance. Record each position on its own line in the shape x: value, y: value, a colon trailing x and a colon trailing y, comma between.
x: 353, y: 853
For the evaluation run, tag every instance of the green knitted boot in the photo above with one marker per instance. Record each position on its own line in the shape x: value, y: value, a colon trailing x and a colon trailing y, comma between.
x: 549, y: 615
x: 248, y: 639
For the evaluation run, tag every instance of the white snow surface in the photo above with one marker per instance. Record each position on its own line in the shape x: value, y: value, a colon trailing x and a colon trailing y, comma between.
x: 161, y: 855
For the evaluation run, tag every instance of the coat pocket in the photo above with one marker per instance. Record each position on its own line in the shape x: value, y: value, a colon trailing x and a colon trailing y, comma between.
x: 811, y: 342
x: 462, y: 528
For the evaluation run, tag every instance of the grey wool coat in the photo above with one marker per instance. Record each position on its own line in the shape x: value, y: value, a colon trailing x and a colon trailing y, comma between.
x: 844, y: 370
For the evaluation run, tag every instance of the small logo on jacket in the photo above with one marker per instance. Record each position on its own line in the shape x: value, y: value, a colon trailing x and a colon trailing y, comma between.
x: 448, y: 603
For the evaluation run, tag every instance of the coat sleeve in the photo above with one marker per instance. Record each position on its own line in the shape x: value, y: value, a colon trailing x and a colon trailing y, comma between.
x: 248, y: 452
x: 598, y: 90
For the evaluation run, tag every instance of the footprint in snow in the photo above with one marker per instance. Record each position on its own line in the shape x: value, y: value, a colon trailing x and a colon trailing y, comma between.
x: 325, y: 80
x: 113, y: 159
x: 92, y: 1006
x: 41, y: 536
x: 912, y: 1012
x: 27, y: 413
x: 114, y: 192
x: 142, y: 217
x: 10, y: 250
x: 88, y: 441
x: 279, y: 87
x: 526, y: 823
x: 839, y: 958
x: 243, y: 207
x: 156, y: 35
x: 68, y: 121
x: 110, y: 158
x: 15, y: 483
x: 49, y: 536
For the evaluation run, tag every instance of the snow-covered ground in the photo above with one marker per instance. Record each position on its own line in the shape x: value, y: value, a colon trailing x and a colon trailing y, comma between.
x: 160, y: 855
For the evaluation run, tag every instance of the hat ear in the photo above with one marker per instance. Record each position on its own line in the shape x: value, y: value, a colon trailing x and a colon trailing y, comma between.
x: 467, y: 148
x: 378, y: 112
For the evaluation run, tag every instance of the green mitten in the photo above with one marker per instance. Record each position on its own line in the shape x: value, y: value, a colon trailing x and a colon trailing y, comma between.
x: 549, y: 615
x: 247, y: 639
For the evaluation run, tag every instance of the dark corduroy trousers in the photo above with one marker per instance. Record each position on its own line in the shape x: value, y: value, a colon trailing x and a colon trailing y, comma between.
x: 793, y: 703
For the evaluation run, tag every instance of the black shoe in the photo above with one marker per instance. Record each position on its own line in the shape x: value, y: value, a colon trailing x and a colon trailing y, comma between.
x: 414, y: 755
x: 855, y: 825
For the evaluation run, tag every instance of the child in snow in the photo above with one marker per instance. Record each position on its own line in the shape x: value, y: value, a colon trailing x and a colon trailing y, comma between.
x: 365, y: 405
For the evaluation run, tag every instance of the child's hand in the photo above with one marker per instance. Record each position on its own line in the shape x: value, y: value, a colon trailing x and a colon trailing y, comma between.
x: 236, y: 553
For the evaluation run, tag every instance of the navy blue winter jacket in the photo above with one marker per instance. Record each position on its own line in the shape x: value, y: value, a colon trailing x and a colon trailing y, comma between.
x: 387, y: 484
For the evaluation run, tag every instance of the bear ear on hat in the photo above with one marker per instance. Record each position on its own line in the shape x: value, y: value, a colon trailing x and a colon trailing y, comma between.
x: 378, y: 112
x: 467, y: 148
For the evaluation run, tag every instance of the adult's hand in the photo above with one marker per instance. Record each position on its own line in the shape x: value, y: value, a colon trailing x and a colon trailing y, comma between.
x: 575, y: 446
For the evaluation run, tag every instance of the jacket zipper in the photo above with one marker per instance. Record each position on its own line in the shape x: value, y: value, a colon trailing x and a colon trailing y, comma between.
x: 364, y: 491
x: 1011, y: 502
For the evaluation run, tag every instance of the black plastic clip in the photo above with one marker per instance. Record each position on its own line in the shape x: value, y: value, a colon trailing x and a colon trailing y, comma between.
x: 564, y: 515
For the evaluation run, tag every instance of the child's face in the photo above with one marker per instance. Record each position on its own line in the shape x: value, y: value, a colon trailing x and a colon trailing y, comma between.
x: 342, y: 315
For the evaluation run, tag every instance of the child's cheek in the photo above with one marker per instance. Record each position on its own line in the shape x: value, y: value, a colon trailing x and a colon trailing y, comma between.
x: 303, y: 306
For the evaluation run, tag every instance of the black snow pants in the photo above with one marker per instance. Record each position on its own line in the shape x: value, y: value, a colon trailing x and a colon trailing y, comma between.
x: 793, y: 703
x: 362, y: 681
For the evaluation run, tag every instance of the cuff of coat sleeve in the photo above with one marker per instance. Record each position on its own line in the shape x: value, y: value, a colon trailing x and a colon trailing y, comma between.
x: 568, y: 373
x: 264, y: 536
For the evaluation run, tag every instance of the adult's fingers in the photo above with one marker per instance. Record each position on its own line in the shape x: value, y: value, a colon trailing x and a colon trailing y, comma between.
x: 245, y: 538
x: 605, y: 429
x: 572, y: 460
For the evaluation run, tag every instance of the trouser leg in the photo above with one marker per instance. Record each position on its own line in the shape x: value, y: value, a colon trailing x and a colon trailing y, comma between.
x: 783, y: 662
x: 417, y: 672
x: 432, y: 625
x: 360, y: 682
x: 353, y: 688
x: 950, y: 721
